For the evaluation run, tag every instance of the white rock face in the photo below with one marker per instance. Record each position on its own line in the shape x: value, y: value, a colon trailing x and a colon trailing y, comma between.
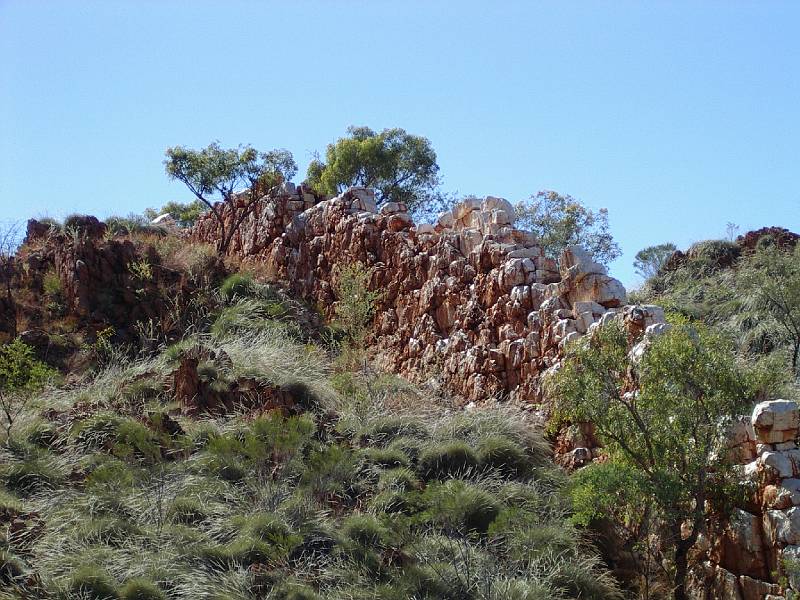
x: 776, y: 421
x: 579, y: 260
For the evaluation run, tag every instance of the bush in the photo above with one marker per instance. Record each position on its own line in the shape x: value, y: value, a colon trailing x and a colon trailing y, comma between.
x: 188, y: 511
x: 446, y: 460
x: 94, y: 583
x: 366, y: 531
x: 399, y: 479
x: 237, y: 285
x: 504, y: 455
x: 141, y: 589
x: 384, y: 430
x: 385, y: 457
x: 30, y: 475
x: 247, y: 551
x: 460, y: 506
x: 294, y: 591
x: 714, y: 254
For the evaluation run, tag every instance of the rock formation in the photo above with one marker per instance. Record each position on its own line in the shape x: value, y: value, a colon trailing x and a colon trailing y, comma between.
x: 476, y: 303
x: 470, y: 297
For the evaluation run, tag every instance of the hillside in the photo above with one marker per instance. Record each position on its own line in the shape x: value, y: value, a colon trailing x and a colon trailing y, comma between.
x: 345, y: 404
x: 209, y: 438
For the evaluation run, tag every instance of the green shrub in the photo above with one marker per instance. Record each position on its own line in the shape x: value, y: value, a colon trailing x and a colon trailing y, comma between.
x: 42, y: 434
x: 94, y: 583
x: 188, y: 511
x: 141, y: 589
x: 366, y: 531
x: 52, y: 286
x: 31, y: 475
x: 111, y: 530
x: 503, y: 455
x: 294, y: 591
x: 385, y: 457
x: 449, y: 459
x: 460, y: 506
x: 237, y: 285
x: 331, y: 473
x: 410, y: 446
x: 400, y: 479
x: 713, y: 254
x: 265, y: 526
x: 110, y: 472
x: 246, y: 551
x: 384, y: 430
x: 254, y: 316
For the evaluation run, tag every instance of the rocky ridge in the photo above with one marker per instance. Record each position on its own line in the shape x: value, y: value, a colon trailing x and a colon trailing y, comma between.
x: 472, y: 296
x: 476, y: 302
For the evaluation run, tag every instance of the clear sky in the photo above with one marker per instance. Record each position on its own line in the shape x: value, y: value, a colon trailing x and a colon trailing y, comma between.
x: 677, y: 116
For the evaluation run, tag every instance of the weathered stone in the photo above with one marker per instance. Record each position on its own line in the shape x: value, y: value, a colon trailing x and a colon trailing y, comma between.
x: 776, y: 421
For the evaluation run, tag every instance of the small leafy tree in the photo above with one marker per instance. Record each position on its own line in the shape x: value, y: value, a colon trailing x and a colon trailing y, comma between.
x: 215, y: 175
x: 355, y: 303
x: 770, y: 285
x: 665, y: 417
x: 401, y: 167
x: 560, y: 220
x: 184, y: 213
x: 648, y: 261
x: 21, y: 374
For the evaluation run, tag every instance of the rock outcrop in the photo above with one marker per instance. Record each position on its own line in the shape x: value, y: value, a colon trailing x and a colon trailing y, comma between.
x: 750, y: 551
x: 471, y: 296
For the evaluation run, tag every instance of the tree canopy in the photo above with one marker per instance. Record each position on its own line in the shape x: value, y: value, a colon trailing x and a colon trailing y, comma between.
x: 665, y: 417
x: 21, y: 373
x: 401, y: 167
x: 214, y: 175
x: 648, y: 261
x: 560, y: 220
x: 184, y: 213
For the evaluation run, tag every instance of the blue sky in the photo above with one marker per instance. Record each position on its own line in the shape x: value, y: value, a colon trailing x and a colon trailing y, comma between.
x: 677, y: 116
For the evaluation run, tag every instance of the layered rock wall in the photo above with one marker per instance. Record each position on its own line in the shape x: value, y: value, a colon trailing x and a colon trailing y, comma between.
x: 472, y: 298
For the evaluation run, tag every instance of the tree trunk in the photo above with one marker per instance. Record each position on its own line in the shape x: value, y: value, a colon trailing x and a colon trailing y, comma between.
x: 682, y: 547
x: 681, y: 569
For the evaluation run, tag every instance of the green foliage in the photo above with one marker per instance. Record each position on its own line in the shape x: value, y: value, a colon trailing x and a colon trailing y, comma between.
x: 714, y: 254
x: 188, y: 511
x: 51, y: 284
x: 214, y: 173
x: 94, y: 583
x: 355, y: 303
x: 20, y: 371
x: 21, y: 374
x: 457, y: 505
x: 449, y: 459
x: 185, y: 214
x: 609, y: 490
x: 133, y: 223
x: 560, y: 221
x: 141, y: 270
x: 665, y: 417
x: 141, y: 589
x: 237, y: 285
x: 648, y: 261
x: 504, y: 455
x: 770, y: 282
x: 400, y: 167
